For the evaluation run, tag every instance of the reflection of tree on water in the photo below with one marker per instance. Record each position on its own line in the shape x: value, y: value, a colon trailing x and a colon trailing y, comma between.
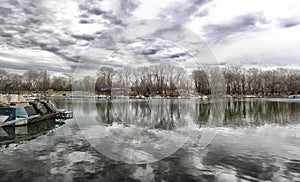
x: 255, y: 113
x: 202, y: 113
x: 168, y: 114
x: 161, y: 114
x: 106, y: 115
x: 166, y: 122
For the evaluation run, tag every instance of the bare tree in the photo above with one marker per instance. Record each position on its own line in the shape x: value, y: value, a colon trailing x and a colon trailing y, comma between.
x: 45, y: 81
x: 59, y: 83
x: 201, y: 81
x: 88, y: 84
x: 17, y: 82
x: 104, y: 80
x: 32, y: 79
x: 3, y: 80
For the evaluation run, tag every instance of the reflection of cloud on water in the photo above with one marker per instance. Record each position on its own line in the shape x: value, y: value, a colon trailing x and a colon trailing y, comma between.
x: 262, y: 153
x: 134, y: 144
x: 144, y: 173
x: 155, y: 128
x: 111, y: 138
x: 136, y: 156
x: 256, y: 153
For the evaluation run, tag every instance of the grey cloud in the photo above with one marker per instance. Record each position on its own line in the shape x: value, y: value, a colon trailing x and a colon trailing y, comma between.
x: 113, y: 19
x: 13, y: 2
x: 31, y: 24
x: 288, y: 22
x: 178, y: 55
x: 93, y: 7
x: 149, y: 51
x: 65, y: 43
x: 164, y: 30
x: 28, y: 63
x: 97, y: 11
x: 74, y: 59
x: 22, y: 67
x: 202, y: 13
x: 84, y: 37
x: 84, y: 21
x: 246, y: 23
x: 128, y: 6
x: 5, y: 11
x: 6, y: 34
x: 24, y: 18
x: 182, y: 11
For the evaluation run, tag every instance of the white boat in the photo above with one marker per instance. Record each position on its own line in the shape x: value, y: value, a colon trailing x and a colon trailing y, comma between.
x: 204, y: 97
x: 157, y: 97
x: 250, y: 96
x: 293, y: 97
x: 140, y: 97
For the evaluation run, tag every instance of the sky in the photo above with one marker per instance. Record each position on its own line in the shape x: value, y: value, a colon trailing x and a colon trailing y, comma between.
x: 65, y: 37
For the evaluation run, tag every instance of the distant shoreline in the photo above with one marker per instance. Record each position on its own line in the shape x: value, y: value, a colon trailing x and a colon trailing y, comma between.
x: 87, y: 94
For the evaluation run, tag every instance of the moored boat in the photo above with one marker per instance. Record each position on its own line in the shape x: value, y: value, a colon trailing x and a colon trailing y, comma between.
x: 293, y: 97
x: 18, y: 114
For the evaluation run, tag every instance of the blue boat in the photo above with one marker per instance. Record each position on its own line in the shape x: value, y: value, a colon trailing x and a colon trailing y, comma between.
x: 18, y: 114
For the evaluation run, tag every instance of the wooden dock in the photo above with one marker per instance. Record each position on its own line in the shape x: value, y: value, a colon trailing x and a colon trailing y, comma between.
x: 64, y: 115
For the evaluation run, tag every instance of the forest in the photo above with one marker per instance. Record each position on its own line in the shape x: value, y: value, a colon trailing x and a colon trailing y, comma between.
x: 158, y: 79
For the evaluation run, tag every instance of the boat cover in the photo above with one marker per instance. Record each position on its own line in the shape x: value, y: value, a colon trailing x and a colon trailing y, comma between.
x: 11, y: 112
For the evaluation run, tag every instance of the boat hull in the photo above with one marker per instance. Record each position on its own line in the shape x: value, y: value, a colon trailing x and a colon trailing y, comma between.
x: 32, y: 119
x: 19, y: 114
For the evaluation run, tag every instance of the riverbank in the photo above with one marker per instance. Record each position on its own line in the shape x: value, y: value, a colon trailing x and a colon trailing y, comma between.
x: 10, y: 98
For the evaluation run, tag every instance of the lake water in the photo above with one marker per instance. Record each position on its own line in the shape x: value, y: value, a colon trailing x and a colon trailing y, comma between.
x: 185, y: 140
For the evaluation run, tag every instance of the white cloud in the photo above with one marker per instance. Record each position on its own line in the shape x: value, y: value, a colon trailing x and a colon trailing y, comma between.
x: 26, y: 59
x: 151, y: 9
x: 268, y: 44
x: 54, y: 34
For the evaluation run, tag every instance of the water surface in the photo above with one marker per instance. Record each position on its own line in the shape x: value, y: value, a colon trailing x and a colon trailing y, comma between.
x: 256, y: 140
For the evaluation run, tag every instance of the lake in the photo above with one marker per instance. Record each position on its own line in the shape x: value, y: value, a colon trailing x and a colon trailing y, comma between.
x: 158, y: 140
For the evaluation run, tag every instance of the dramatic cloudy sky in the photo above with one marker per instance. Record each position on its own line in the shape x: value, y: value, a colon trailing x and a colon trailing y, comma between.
x: 53, y: 34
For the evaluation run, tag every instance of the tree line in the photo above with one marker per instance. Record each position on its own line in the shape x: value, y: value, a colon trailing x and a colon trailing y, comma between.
x: 31, y: 80
x: 253, y: 81
x: 158, y: 79
x: 147, y: 80
x: 262, y: 82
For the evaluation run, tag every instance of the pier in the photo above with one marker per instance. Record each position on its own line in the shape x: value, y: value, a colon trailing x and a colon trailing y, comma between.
x: 64, y: 115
